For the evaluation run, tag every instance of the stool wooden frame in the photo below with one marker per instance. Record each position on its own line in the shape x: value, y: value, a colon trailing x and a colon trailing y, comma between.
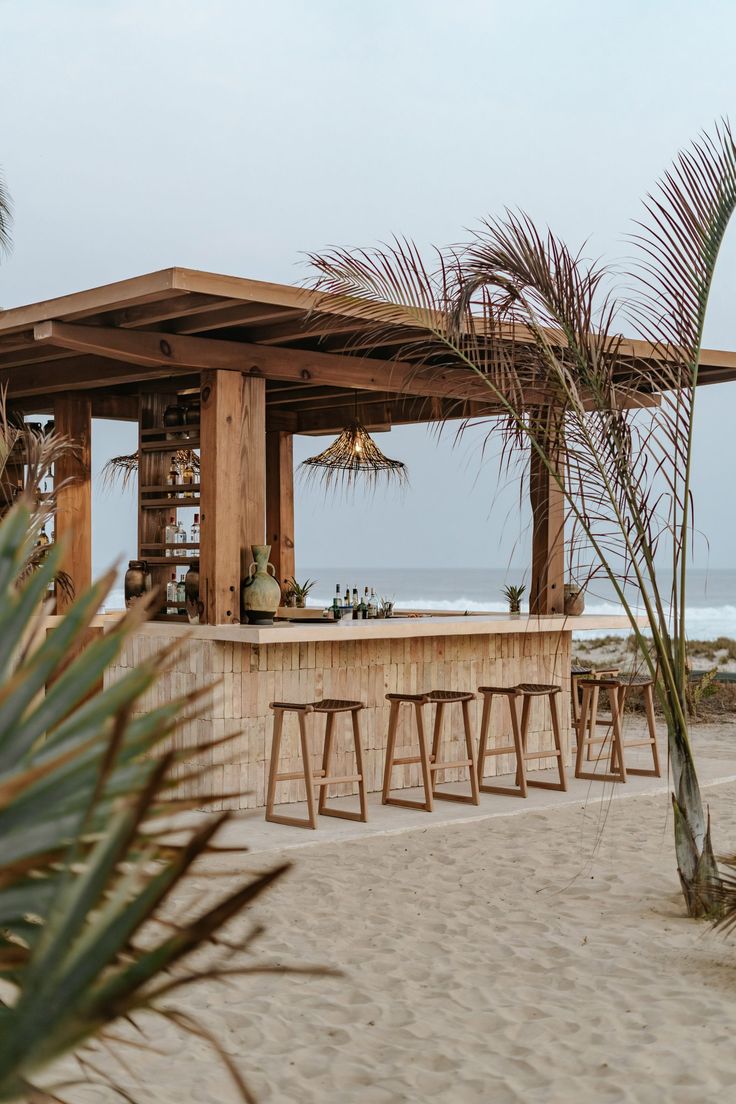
x: 430, y: 761
x: 322, y: 778
x: 519, y: 730
x: 616, y: 687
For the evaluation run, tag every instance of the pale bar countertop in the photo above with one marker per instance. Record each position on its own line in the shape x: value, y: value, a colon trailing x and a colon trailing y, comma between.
x: 392, y: 628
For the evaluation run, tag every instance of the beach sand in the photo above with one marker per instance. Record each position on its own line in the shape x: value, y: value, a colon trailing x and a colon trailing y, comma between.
x: 537, y: 958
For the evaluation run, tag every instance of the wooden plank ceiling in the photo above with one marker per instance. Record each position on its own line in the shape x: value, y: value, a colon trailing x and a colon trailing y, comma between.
x: 116, y: 340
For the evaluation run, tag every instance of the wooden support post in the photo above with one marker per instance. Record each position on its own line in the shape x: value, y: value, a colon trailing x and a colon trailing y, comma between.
x: 547, y: 592
x: 280, y: 502
x: 233, y: 487
x: 73, y: 527
x: 252, y: 468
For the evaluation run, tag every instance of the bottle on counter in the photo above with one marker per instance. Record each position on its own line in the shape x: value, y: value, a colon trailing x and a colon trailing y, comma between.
x: 194, y: 534
x: 173, y: 477
x: 43, y: 537
x: 336, y: 608
x: 338, y: 597
x: 181, y: 597
x: 356, y: 603
x: 171, y: 593
x: 362, y: 609
x: 170, y: 536
x: 372, y: 605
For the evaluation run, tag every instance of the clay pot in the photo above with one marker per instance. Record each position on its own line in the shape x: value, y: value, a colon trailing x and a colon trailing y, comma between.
x: 137, y: 581
x: 574, y: 600
x: 261, y: 592
x: 174, y: 415
x: 192, y: 415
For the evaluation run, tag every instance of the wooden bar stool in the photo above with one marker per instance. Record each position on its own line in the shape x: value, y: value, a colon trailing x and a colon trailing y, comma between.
x: 430, y: 761
x: 525, y: 691
x: 616, y: 687
x: 322, y: 779
x: 577, y: 671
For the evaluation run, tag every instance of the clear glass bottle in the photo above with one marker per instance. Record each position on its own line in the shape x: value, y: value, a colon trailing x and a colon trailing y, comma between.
x: 181, y: 596
x: 372, y: 605
x: 181, y: 539
x: 171, y: 593
x: 194, y: 534
x: 43, y: 537
x: 170, y: 535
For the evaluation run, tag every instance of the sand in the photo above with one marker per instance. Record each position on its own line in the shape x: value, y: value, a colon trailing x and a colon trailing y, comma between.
x: 536, y: 958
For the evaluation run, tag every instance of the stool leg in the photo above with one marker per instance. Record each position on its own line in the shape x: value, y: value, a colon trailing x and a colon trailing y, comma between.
x: 652, y: 726
x: 562, y: 784
x: 617, y: 735
x: 393, y: 721
x: 519, y: 744
x: 558, y: 741
x: 362, y: 791
x: 592, y: 721
x: 574, y: 699
x: 326, y: 757
x: 582, y: 730
x: 436, y: 735
x: 278, y: 725
x: 474, y: 795
x: 308, y: 781
x: 482, y: 742
x: 424, y: 758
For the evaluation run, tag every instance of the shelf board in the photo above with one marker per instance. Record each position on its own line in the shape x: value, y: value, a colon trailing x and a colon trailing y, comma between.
x: 153, y: 488
x: 163, y: 544
x: 166, y: 446
x: 172, y: 503
x: 169, y: 561
x: 157, y: 431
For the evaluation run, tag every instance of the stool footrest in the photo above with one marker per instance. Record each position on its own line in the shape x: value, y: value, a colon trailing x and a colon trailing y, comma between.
x: 333, y: 780
x: 549, y: 753
x: 451, y: 766
x: 405, y: 803
x: 505, y: 791
x: 466, y: 799
x: 508, y: 749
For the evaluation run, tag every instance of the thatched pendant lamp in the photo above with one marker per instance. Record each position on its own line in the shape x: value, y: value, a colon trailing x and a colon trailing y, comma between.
x: 354, y: 453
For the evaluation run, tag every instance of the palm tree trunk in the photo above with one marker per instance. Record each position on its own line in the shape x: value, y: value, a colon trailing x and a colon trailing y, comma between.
x: 696, y: 862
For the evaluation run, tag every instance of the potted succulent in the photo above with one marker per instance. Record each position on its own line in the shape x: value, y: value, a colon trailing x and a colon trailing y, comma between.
x: 513, y: 596
x: 300, y: 590
x: 288, y: 597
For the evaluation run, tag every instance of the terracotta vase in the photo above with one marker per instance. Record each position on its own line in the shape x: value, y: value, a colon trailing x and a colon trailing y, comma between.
x: 574, y: 600
x: 261, y: 592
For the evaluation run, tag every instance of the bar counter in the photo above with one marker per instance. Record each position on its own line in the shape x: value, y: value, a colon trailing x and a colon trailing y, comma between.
x: 251, y: 666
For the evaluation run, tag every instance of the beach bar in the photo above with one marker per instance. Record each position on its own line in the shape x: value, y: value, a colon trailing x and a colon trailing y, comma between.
x: 255, y: 363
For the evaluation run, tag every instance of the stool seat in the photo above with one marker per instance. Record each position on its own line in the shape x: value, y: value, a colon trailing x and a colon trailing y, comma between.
x: 405, y: 697
x: 335, y: 705
x: 449, y: 696
x: 536, y: 689
x: 580, y: 669
x: 512, y: 691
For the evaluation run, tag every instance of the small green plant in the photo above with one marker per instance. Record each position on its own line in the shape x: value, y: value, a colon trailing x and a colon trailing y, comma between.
x: 513, y: 595
x: 300, y: 590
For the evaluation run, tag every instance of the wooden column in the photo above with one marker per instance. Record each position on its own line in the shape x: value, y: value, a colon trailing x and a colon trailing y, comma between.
x: 252, y: 468
x: 73, y: 526
x: 280, y: 502
x: 233, y: 487
x: 547, y: 592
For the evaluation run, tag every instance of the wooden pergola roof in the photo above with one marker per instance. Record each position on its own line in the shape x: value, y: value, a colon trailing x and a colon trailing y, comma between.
x: 114, y: 340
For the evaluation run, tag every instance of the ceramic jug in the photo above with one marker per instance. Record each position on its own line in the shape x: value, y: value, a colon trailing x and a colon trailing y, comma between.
x: 261, y: 592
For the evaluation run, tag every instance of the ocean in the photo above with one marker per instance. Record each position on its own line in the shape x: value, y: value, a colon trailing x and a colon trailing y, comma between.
x: 711, y: 599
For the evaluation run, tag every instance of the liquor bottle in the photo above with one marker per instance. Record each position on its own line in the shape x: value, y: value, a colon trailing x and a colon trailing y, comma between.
x: 173, y: 477
x: 43, y: 537
x: 336, y: 608
x: 338, y: 599
x: 171, y: 595
x: 194, y: 535
x: 372, y: 605
x: 187, y: 476
x: 356, y: 603
x: 170, y: 536
x: 362, y: 609
x: 181, y: 539
x: 181, y: 596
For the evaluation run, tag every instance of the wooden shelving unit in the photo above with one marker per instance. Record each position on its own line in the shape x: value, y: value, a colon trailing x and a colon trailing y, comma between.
x: 157, y: 443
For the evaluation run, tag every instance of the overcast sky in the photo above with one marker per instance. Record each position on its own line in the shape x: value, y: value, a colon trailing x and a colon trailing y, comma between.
x: 234, y: 136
